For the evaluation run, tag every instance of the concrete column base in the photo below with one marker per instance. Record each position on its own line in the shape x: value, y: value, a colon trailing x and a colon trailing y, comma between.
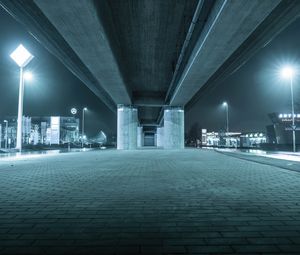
x: 127, y: 128
x: 174, y: 128
x: 140, y: 136
x: 160, y: 137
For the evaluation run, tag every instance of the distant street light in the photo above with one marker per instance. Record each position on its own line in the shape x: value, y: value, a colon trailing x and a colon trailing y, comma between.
x: 288, y: 72
x: 6, y: 134
x: 82, y: 131
x: 227, y: 117
x: 22, y: 57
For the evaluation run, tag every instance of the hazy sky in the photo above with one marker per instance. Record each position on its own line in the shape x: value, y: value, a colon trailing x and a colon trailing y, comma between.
x: 252, y: 92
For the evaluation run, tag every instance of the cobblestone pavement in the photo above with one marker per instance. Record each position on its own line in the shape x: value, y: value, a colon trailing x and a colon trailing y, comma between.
x: 147, y: 202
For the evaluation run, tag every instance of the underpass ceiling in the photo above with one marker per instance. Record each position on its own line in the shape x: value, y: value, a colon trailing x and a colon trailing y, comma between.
x: 126, y: 51
x: 147, y: 37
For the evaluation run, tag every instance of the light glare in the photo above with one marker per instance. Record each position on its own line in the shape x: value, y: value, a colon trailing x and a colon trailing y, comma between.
x: 28, y: 76
x: 287, y: 72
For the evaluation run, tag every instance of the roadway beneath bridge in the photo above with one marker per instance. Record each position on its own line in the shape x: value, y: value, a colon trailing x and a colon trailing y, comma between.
x: 147, y: 202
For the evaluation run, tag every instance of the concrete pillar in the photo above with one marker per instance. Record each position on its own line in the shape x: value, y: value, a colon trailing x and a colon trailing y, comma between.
x: 127, y: 128
x: 160, y: 136
x: 174, y: 128
x: 140, y: 137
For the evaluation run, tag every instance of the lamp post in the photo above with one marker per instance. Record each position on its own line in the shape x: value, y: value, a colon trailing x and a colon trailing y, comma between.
x: 288, y: 72
x: 6, y: 133
x: 225, y: 104
x: 22, y: 57
x: 82, y: 131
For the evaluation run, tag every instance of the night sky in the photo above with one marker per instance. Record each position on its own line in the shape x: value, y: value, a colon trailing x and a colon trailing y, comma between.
x: 53, y: 91
x: 254, y: 90
x: 251, y: 92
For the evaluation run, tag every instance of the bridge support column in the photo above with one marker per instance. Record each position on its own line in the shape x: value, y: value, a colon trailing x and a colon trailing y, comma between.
x: 174, y: 128
x: 140, y: 136
x: 160, y: 136
x: 127, y: 128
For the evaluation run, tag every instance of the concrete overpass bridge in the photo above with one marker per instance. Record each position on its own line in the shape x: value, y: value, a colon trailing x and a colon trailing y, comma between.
x: 149, y: 60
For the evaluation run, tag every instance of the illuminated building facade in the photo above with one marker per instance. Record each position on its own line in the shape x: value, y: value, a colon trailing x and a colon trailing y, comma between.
x: 48, y: 130
x: 280, y: 132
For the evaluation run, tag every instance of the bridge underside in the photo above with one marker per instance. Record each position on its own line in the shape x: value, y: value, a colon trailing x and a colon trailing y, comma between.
x: 152, y: 58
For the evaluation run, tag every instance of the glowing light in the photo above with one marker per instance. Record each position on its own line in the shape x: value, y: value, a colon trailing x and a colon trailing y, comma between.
x: 280, y: 116
x: 21, y: 56
x: 225, y: 104
x: 28, y: 76
x: 85, y: 109
x: 287, y: 72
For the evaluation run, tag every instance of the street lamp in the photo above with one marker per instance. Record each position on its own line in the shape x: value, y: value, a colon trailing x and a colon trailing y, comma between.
x: 22, y: 57
x: 227, y: 117
x: 82, y: 131
x: 288, y: 72
x: 6, y: 136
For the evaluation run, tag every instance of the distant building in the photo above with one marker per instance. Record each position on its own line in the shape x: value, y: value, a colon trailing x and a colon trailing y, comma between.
x: 41, y: 130
x: 252, y: 140
x: 233, y: 139
x: 220, y: 139
x: 280, y: 132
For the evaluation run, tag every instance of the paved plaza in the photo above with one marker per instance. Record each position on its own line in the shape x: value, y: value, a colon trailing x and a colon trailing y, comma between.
x: 147, y: 202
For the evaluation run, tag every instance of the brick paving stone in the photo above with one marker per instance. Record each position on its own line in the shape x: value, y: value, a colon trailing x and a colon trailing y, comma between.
x: 148, y: 202
x: 219, y: 249
x: 256, y: 248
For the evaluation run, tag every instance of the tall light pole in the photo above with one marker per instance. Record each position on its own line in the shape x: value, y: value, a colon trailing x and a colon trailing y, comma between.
x: 6, y: 133
x: 288, y: 72
x: 82, y: 130
x: 225, y: 104
x: 22, y: 57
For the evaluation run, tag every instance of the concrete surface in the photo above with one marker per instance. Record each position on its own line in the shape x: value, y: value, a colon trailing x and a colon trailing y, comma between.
x: 160, y: 136
x: 229, y: 25
x: 147, y: 202
x: 283, y: 160
x: 127, y: 127
x: 173, y: 128
x: 129, y: 52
